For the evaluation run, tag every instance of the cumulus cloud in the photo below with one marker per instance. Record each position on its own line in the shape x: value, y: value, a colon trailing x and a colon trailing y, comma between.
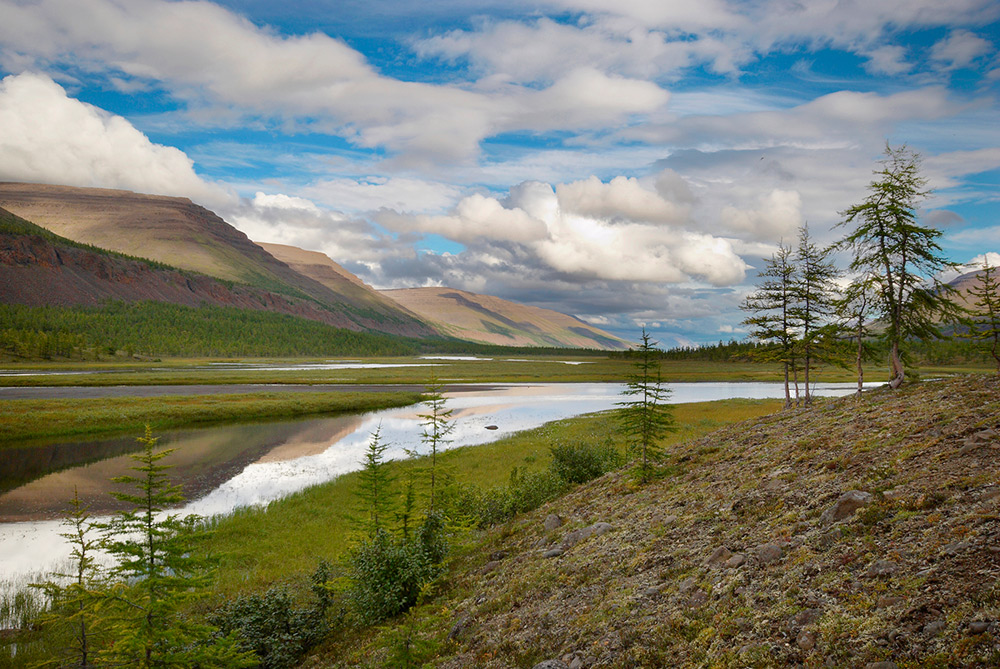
x: 616, y: 231
x: 220, y: 63
x: 50, y: 137
x: 960, y: 49
x: 779, y: 214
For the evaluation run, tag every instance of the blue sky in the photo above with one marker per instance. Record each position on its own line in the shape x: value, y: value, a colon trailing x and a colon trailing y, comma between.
x: 626, y: 161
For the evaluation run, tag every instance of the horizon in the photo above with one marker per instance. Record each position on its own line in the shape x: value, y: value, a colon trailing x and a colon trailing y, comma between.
x: 628, y: 163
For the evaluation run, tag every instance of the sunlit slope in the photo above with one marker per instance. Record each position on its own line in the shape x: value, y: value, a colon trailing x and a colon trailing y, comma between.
x: 491, y: 320
x: 322, y: 269
x: 177, y: 232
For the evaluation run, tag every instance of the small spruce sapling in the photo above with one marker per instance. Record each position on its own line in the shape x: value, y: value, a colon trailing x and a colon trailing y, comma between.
x: 646, y: 418
x: 437, y: 425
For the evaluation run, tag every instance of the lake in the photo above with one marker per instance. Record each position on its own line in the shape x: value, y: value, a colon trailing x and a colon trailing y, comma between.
x: 227, y: 467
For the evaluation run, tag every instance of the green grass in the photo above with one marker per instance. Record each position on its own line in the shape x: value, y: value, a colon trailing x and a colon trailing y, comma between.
x: 500, y: 369
x: 260, y: 546
x: 24, y: 421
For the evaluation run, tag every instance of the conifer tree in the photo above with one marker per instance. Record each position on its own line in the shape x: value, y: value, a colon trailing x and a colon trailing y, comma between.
x: 813, y: 301
x: 375, y: 482
x: 773, y: 319
x: 437, y: 425
x: 902, y: 257
x: 158, y: 573
x: 854, y: 309
x: 76, y: 603
x: 646, y: 418
x: 986, y: 318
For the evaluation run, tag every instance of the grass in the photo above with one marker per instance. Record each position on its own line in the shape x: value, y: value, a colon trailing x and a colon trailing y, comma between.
x: 25, y: 421
x: 257, y: 547
x: 511, y: 368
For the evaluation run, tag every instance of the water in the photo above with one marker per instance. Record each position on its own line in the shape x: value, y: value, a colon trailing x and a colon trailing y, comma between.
x: 227, y: 467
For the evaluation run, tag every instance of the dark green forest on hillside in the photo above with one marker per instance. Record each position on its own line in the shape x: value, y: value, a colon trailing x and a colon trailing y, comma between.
x: 163, y: 329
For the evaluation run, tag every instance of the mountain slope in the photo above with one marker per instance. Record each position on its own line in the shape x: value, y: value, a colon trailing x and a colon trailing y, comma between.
x: 322, y: 269
x: 182, y: 234
x: 38, y: 267
x: 491, y: 320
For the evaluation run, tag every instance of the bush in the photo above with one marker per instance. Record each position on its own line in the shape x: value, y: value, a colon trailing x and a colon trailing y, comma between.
x: 387, y: 573
x: 271, y: 626
x: 579, y: 463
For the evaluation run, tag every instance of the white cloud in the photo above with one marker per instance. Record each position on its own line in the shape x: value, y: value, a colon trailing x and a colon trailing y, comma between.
x: 960, y: 49
x: 46, y: 136
x: 778, y: 215
x: 376, y: 192
x: 616, y: 231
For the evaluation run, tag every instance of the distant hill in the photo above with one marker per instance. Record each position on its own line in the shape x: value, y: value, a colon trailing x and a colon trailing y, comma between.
x: 322, y: 269
x: 491, y: 320
x: 181, y: 234
x: 965, y: 283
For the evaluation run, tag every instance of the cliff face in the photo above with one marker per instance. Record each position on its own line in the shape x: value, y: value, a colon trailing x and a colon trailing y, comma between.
x: 179, y: 233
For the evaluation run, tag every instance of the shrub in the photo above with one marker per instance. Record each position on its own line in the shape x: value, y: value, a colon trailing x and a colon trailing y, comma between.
x: 580, y: 462
x: 271, y: 626
x: 387, y: 573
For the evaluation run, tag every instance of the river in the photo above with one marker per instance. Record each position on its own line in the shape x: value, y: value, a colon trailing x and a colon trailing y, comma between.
x: 227, y: 467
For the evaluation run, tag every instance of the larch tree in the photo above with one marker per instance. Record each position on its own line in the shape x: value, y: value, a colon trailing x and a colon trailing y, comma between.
x: 772, y: 318
x: 986, y: 317
x: 437, y: 425
x: 374, y: 486
x: 901, y: 256
x: 645, y: 416
x: 855, y: 307
x: 814, y: 297
x: 158, y: 574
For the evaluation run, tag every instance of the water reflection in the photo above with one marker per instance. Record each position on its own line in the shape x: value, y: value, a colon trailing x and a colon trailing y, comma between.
x: 223, y: 468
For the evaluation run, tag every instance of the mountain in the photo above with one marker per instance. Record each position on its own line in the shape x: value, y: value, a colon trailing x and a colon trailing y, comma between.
x: 179, y: 233
x: 491, y: 320
x: 322, y: 269
x: 963, y: 284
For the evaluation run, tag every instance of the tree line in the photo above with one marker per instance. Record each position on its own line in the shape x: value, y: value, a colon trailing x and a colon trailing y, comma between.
x: 892, y: 294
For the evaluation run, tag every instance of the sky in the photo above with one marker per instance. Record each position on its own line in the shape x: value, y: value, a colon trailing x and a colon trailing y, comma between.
x: 630, y: 162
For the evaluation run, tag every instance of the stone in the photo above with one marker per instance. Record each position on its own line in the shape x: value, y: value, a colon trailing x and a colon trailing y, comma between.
x: 552, y: 522
x: 553, y: 552
x: 767, y: 553
x: 806, y: 640
x: 735, y: 561
x: 845, y: 507
x: 551, y: 664
x: 577, y: 663
x: 990, y: 493
x: 979, y: 627
x: 498, y: 555
x: 934, y: 627
x: 886, y: 601
x: 719, y: 556
x: 576, y: 536
x: 687, y: 584
x: 881, y: 665
x: 651, y: 591
x: 881, y: 568
x: 492, y: 427
x: 808, y: 617
x: 489, y: 566
x: 894, y: 494
x: 956, y: 548
x: 697, y: 598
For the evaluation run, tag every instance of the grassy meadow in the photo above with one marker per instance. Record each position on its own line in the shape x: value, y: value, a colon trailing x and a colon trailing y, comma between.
x: 260, y: 546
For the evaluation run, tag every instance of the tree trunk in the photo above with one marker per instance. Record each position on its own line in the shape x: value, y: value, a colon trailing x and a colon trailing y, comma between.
x: 808, y: 361
x: 788, y: 396
x: 896, y: 365
x: 861, y: 353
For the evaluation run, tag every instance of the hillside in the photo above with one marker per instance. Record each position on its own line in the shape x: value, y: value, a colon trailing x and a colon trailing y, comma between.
x: 181, y: 234
x: 491, y: 320
x: 322, y: 269
x: 854, y: 534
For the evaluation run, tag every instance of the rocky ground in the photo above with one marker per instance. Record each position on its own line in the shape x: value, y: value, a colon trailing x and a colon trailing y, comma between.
x: 853, y: 534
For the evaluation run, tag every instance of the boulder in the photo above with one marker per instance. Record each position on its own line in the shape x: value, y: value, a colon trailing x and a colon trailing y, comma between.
x: 845, y: 507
